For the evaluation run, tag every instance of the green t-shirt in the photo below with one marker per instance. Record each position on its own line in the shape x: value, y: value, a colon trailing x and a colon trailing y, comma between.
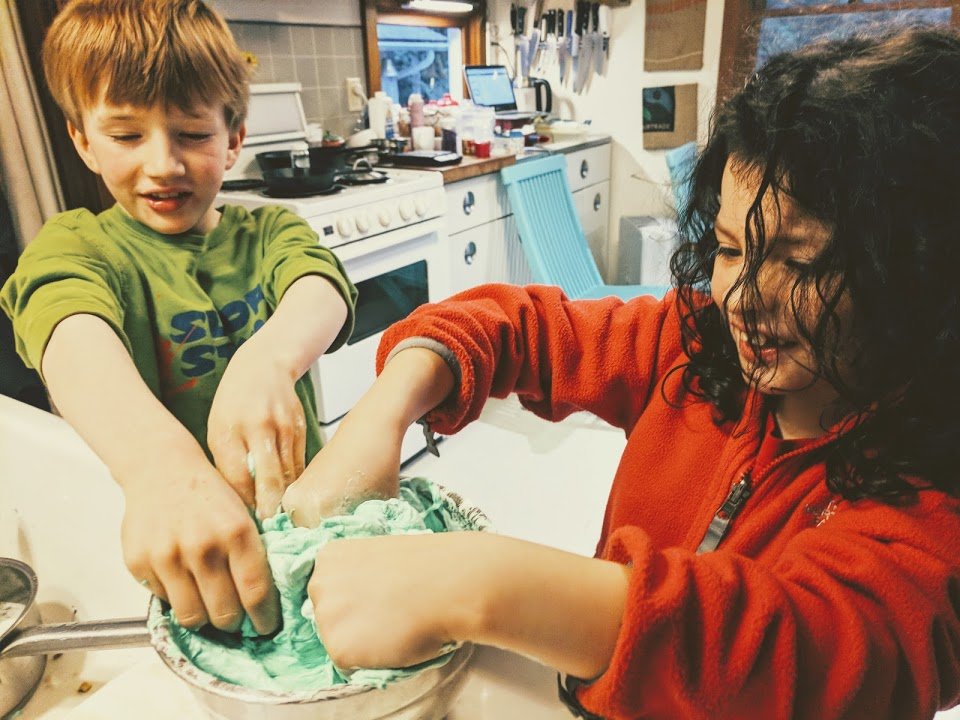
x: 181, y: 304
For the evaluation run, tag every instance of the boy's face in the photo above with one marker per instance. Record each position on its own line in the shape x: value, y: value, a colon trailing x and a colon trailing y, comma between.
x: 780, y: 361
x: 162, y: 165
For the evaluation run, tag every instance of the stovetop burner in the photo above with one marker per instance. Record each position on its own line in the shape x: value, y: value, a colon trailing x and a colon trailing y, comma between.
x: 242, y: 184
x: 363, y: 177
x: 332, y: 190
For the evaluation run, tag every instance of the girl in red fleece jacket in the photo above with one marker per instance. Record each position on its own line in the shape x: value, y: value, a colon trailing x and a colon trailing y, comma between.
x: 782, y: 538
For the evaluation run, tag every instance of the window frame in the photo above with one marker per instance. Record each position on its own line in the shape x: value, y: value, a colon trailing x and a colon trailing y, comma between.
x: 741, y: 31
x: 472, y: 27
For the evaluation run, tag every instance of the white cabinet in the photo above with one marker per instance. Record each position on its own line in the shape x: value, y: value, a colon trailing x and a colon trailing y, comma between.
x: 593, y: 207
x: 488, y: 253
x: 482, y: 235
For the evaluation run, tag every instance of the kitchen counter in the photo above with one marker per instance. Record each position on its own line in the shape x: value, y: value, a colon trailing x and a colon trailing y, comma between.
x: 470, y: 167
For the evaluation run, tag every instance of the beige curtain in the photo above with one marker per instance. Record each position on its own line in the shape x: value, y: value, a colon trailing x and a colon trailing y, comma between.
x: 27, y: 171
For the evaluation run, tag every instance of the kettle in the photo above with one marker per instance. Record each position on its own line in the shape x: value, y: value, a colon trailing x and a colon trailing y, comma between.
x: 543, y: 101
x: 536, y: 95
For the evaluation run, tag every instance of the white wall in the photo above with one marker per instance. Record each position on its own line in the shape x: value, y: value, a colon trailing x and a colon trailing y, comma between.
x: 639, y: 179
x: 312, y: 12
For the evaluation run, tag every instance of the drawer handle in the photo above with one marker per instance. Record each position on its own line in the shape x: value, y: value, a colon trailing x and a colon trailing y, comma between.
x: 596, y: 201
x: 469, y: 251
x: 468, y: 202
x: 584, y: 169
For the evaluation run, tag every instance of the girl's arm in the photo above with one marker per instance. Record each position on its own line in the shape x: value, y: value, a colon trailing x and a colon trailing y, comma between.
x: 363, y: 459
x: 558, y: 355
x: 395, y: 601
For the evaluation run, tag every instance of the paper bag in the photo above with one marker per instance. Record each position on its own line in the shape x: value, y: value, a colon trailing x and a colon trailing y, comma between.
x: 674, y: 35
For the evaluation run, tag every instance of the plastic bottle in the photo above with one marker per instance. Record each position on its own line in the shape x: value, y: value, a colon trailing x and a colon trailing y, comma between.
x: 415, y: 103
x: 377, y: 108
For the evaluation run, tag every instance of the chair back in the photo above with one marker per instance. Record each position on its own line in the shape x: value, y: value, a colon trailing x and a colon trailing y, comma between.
x: 550, y: 232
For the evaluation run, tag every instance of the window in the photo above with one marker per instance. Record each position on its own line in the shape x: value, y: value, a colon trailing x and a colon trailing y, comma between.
x: 421, y: 60
x: 779, y: 25
x: 411, y: 51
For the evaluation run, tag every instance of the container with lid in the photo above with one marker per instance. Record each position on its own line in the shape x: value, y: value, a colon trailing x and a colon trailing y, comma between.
x: 415, y: 103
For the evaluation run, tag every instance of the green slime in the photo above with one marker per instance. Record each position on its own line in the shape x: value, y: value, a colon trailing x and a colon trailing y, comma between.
x: 295, y: 659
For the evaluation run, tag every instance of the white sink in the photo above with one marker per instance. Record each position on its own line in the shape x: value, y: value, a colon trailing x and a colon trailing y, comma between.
x: 60, y: 512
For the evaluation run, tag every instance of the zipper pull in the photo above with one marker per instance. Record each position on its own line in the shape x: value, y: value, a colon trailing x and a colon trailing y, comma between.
x: 725, y: 514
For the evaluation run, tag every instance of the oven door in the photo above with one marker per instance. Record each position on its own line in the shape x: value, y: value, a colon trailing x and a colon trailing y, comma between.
x: 394, y: 273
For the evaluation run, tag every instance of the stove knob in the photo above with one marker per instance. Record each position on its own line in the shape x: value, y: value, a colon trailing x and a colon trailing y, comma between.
x: 344, y: 227
x: 384, y: 217
x: 420, y: 206
x: 406, y: 209
x: 363, y: 222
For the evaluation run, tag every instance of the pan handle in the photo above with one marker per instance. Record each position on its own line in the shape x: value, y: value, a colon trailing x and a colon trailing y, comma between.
x: 102, y: 634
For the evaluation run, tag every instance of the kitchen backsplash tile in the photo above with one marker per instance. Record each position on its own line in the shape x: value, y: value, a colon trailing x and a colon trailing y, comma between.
x: 319, y: 57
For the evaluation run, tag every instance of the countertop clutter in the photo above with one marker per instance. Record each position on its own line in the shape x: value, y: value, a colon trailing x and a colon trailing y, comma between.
x: 61, y: 513
x: 472, y: 166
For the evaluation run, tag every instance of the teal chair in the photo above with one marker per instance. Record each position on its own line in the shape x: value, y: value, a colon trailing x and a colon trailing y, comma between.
x: 551, y: 235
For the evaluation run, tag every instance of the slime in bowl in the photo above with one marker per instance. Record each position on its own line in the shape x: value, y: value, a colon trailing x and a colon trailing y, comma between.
x: 294, y: 662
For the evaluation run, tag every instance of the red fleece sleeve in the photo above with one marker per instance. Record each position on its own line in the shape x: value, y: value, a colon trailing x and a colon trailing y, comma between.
x: 558, y: 355
x: 857, y: 619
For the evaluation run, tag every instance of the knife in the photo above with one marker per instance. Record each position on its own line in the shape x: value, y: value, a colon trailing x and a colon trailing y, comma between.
x: 585, y: 58
x: 602, y: 37
x: 564, y: 26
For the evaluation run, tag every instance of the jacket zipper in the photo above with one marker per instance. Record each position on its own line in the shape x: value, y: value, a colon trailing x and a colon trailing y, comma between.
x: 740, y: 491
x: 737, y: 496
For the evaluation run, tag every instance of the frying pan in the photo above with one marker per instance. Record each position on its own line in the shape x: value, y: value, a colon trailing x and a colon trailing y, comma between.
x: 286, y: 182
x: 24, y: 643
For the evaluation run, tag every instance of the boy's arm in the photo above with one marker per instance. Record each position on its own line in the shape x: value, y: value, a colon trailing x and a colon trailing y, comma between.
x: 256, y: 410
x: 186, y: 533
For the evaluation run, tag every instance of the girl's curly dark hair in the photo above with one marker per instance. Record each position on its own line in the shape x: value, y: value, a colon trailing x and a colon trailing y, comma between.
x: 864, y: 135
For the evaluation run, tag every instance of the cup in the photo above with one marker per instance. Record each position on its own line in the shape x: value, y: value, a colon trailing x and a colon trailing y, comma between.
x: 422, y: 137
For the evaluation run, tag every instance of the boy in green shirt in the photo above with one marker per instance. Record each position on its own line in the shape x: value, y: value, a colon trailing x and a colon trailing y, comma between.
x: 169, y: 332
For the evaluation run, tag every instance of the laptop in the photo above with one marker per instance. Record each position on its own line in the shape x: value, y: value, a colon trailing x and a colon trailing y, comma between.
x: 491, y: 86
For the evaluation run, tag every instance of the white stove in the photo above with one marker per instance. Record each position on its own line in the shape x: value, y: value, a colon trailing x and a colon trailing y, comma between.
x: 389, y: 236
x: 356, y: 212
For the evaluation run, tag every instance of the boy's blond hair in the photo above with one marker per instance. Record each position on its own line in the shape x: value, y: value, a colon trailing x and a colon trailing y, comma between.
x: 143, y: 53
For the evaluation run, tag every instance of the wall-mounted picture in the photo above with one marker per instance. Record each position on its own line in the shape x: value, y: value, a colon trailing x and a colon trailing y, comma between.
x: 669, y: 116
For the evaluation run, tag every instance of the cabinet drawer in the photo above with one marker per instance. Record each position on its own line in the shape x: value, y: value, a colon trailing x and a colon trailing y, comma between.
x: 487, y: 253
x: 589, y: 166
x: 593, y: 208
x: 474, y: 202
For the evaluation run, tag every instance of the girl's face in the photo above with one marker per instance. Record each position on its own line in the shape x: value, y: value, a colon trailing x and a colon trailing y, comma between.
x: 777, y: 358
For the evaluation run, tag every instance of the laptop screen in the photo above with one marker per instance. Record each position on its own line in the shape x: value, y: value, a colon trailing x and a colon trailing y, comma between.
x: 490, y: 85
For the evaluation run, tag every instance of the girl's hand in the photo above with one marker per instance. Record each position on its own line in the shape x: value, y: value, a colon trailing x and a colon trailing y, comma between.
x: 256, y: 412
x: 361, y: 461
x: 397, y: 600
x: 189, y: 539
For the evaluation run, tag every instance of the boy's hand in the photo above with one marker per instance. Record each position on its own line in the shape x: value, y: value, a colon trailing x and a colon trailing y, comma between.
x: 361, y: 461
x: 192, y: 542
x: 256, y: 412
